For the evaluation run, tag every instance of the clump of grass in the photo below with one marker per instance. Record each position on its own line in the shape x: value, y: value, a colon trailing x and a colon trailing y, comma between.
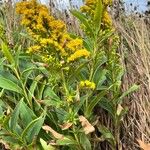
x: 135, y: 52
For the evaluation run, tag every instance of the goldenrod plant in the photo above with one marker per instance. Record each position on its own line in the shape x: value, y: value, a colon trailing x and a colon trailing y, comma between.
x: 51, y: 85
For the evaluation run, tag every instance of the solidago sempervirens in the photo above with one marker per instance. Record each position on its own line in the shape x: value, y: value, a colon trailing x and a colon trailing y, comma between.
x: 51, y: 39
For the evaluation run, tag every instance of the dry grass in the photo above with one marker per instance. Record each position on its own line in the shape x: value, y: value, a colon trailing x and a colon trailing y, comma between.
x: 135, y: 52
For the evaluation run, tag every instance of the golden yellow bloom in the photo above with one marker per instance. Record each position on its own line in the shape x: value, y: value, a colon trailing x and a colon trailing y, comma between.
x: 50, y: 34
x: 34, y: 48
x: 75, y: 44
x: 107, y: 2
x: 107, y: 21
x: 26, y: 22
x: 90, y: 2
x: 89, y: 7
x: 45, y: 41
x: 79, y: 54
x: 87, y: 84
x: 57, y: 25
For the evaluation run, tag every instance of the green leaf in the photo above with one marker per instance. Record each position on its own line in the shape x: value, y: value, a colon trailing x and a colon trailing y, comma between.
x: 34, y: 86
x: 26, y: 114
x: 9, y: 76
x: 46, y: 146
x: 107, y: 135
x: 107, y: 105
x: 98, y: 15
x: 94, y: 102
x: 33, y: 129
x: 7, y: 53
x: 15, y: 116
x: 49, y: 93
x: 9, y: 85
x: 77, y: 72
x: 85, y: 142
x: 78, y: 106
x: 130, y: 90
x: 17, y: 50
x: 66, y: 141
x: 99, y: 77
x: 83, y: 20
x: 41, y: 90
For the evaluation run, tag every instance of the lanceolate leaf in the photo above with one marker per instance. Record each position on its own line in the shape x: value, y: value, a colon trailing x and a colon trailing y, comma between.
x: 26, y: 114
x: 107, y: 135
x: 108, y: 106
x: 7, y: 53
x: 85, y: 142
x: 46, y: 146
x: 98, y: 15
x: 94, y: 102
x: 15, y: 116
x: 34, y: 86
x: 66, y: 141
x: 33, y: 129
x: 130, y: 90
x: 9, y: 85
x: 83, y: 20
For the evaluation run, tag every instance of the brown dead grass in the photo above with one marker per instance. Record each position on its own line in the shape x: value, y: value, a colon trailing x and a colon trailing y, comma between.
x: 135, y: 53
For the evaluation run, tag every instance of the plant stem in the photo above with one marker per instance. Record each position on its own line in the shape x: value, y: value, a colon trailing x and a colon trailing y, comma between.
x: 76, y: 138
x: 23, y: 87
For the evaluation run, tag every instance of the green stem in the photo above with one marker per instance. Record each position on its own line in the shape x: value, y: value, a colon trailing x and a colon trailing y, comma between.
x: 23, y: 87
x: 76, y: 138
x: 64, y: 84
x: 93, y: 58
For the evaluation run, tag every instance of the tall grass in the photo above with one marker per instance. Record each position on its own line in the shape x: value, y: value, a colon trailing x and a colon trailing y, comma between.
x: 135, y: 52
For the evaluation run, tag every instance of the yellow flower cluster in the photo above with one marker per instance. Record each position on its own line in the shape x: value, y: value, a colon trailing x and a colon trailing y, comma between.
x: 49, y: 34
x: 79, y: 54
x: 34, y: 16
x: 107, y: 21
x: 89, y: 9
x: 87, y: 84
x: 75, y: 44
x: 34, y: 48
x: 107, y: 2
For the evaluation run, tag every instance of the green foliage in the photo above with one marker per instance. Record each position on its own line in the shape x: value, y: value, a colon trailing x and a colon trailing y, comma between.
x: 44, y: 108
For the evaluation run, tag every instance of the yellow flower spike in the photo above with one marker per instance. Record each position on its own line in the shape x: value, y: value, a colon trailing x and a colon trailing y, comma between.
x: 107, y: 19
x: 45, y: 41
